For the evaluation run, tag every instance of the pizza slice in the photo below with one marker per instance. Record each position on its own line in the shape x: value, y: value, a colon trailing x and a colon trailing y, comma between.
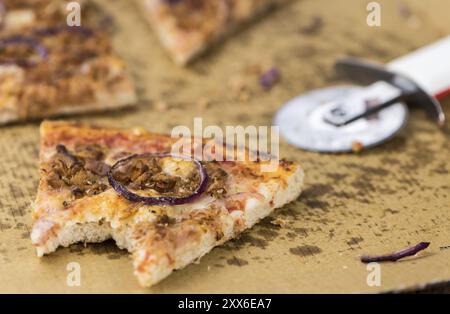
x: 166, y: 209
x: 188, y: 27
x: 58, y: 70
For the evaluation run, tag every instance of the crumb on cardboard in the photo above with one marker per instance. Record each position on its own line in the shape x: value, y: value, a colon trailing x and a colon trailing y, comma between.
x: 279, y: 222
x: 406, y: 13
x: 240, y: 89
x: 203, y: 103
x: 357, y: 146
x: 161, y: 106
x: 138, y: 131
x: 237, y: 84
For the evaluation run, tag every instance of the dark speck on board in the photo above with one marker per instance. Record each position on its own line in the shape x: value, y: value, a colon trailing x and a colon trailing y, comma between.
x: 301, y: 231
x: 237, y: 261
x: 316, y: 204
x: 245, y: 239
x: 305, y: 250
x: 391, y: 211
x: 337, y: 176
x: 267, y: 234
x: 291, y: 235
x: 355, y: 240
x: 317, y: 190
x: 114, y: 256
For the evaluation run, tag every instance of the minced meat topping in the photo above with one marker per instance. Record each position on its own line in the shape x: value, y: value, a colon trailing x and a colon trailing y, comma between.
x: 147, y: 174
x: 84, y: 172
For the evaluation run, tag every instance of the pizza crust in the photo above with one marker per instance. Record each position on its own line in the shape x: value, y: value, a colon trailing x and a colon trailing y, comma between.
x: 113, y: 101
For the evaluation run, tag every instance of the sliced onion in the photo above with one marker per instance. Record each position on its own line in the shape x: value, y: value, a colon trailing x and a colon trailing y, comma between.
x: 163, y: 200
x: 2, y: 13
x: 23, y: 40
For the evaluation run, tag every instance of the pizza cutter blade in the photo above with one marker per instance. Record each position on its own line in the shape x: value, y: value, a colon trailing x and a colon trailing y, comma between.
x: 302, y: 122
x: 335, y: 119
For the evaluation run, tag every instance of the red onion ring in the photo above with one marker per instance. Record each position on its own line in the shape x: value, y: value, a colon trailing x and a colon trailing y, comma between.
x: 164, y: 200
x: 172, y: 2
x: 2, y: 13
x: 52, y: 31
x: 31, y: 42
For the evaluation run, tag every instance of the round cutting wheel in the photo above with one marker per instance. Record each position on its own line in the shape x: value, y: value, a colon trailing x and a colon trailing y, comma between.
x: 301, y: 122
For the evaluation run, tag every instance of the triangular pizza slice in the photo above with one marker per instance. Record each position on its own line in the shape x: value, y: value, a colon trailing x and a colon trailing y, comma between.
x: 166, y: 209
x: 188, y: 27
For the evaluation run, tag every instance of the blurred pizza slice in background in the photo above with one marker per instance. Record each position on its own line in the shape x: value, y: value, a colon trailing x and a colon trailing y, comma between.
x: 188, y: 27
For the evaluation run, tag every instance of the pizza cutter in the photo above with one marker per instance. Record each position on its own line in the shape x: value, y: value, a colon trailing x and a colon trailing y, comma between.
x: 334, y: 119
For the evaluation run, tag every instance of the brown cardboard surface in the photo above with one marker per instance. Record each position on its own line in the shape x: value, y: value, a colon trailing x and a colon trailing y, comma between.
x: 374, y: 202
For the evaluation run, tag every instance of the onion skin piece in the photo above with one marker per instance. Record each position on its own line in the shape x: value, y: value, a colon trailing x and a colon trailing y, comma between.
x: 163, y: 200
x: 268, y: 79
x: 393, y: 257
x: 2, y: 13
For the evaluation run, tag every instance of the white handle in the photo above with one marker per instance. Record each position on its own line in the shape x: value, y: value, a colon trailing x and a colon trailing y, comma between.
x: 429, y: 67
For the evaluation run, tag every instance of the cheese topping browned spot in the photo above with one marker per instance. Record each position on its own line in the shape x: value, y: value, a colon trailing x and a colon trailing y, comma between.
x: 217, y: 179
